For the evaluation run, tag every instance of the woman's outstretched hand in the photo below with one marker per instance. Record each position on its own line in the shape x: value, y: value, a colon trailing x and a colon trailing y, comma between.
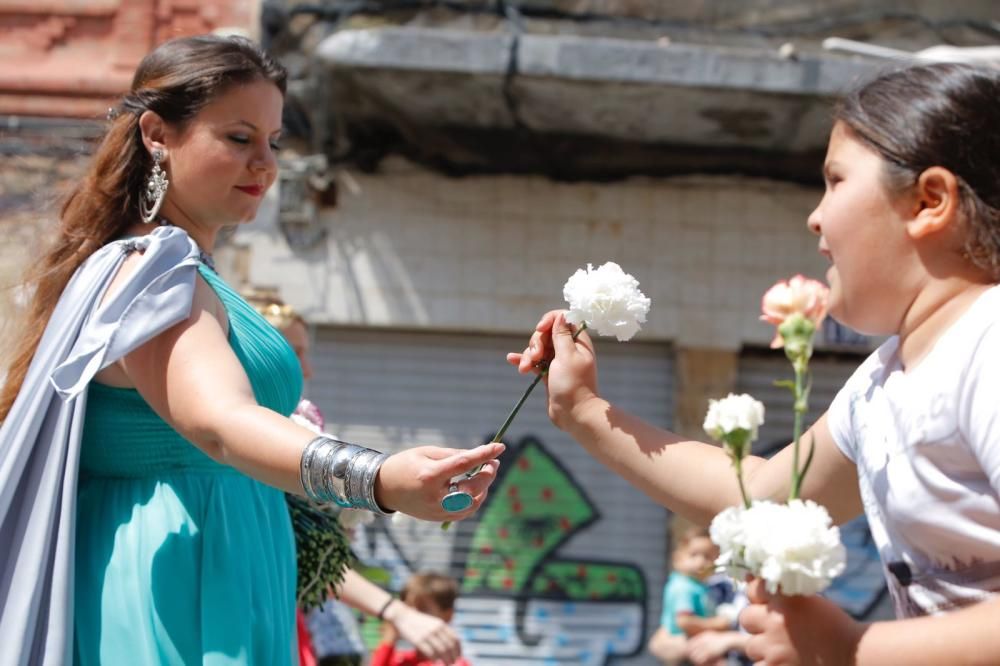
x: 798, y: 631
x: 414, y: 481
x: 571, y: 365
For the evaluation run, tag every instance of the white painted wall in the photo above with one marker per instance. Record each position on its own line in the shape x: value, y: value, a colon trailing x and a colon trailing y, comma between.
x: 407, y: 248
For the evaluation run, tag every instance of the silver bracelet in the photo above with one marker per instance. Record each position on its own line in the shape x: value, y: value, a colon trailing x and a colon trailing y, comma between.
x: 316, y: 471
x: 334, y: 471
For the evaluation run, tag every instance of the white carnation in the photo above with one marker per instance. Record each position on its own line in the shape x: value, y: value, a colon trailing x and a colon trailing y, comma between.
x: 732, y: 413
x: 607, y: 299
x: 726, y: 532
x: 794, y: 546
x: 305, y: 423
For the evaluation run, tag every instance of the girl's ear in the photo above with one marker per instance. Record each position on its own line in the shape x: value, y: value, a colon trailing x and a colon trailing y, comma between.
x: 936, y: 202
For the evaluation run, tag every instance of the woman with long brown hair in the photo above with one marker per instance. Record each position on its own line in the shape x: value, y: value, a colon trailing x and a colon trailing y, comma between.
x: 146, y: 441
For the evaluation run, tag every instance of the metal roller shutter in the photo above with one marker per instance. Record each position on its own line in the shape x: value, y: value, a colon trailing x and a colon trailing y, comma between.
x: 758, y: 371
x: 566, y: 562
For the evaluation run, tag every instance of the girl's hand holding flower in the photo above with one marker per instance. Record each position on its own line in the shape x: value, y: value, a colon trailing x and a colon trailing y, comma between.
x: 798, y: 630
x: 572, y: 373
x: 605, y: 299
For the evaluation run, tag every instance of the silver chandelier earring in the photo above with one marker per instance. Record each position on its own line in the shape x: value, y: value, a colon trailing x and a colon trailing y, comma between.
x: 156, y: 189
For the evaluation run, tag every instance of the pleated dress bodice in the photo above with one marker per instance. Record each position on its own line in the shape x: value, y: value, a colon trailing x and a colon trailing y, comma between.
x: 124, y: 437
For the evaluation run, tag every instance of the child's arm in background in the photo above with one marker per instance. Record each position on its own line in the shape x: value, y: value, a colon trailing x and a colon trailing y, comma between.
x: 692, y: 625
x: 386, y: 650
x: 430, y: 635
x: 709, y: 646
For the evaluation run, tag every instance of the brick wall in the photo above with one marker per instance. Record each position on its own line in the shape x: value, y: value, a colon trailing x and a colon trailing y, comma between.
x: 70, y: 59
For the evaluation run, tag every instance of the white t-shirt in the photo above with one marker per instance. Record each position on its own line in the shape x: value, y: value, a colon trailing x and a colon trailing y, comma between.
x: 927, y: 447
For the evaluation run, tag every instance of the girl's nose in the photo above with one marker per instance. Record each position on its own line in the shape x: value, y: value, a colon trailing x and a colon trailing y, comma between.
x: 813, y: 221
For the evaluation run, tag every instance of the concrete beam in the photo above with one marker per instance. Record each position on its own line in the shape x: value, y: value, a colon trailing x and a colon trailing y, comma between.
x: 630, y: 90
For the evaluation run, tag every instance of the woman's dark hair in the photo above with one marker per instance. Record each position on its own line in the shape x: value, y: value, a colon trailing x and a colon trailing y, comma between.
x: 176, y: 81
x: 943, y: 115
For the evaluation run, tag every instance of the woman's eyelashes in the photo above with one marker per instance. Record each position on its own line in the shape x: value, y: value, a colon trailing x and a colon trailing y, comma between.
x: 244, y: 140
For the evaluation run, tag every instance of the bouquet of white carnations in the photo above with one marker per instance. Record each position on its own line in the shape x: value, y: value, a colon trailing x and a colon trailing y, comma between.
x: 793, y: 546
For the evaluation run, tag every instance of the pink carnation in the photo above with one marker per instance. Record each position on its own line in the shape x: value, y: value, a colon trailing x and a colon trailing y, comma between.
x: 310, y: 412
x: 798, y: 295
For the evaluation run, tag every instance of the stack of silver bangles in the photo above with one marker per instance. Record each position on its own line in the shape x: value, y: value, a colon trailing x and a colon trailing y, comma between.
x: 340, y: 472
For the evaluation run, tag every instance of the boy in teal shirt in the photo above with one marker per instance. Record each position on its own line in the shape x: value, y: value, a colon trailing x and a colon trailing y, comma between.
x: 688, y: 608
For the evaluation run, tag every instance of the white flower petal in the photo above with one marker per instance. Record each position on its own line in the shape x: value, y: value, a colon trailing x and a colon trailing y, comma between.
x: 791, y: 546
x: 734, y: 412
x: 607, y: 299
x: 305, y: 423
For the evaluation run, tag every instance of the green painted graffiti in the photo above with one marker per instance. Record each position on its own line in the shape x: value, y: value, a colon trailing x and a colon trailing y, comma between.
x: 536, y: 507
x: 583, y: 581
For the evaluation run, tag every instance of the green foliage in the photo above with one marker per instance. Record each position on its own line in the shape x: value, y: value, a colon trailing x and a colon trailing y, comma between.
x: 322, y: 550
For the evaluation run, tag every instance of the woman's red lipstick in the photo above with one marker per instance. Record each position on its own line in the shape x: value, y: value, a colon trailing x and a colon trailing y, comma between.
x: 252, y: 190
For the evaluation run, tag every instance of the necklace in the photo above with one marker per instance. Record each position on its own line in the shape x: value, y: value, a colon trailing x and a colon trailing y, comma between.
x: 203, y: 257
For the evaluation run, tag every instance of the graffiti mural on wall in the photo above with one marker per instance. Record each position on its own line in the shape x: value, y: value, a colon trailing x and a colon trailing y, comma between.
x: 524, y: 601
x: 521, y: 600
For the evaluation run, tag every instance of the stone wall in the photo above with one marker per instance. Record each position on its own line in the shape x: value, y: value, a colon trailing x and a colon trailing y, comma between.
x: 38, y: 166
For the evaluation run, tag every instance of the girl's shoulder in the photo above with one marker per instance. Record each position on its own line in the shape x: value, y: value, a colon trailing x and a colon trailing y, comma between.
x: 876, y: 366
x: 975, y: 337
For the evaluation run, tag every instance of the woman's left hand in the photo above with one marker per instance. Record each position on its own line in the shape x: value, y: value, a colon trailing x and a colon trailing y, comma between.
x: 798, y: 631
x: 415, y: 481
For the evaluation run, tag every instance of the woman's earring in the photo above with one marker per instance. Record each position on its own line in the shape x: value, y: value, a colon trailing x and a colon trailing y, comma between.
x: 156, y: 189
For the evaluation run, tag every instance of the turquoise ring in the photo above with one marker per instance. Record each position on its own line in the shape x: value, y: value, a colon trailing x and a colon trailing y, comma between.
x: 456, y: 500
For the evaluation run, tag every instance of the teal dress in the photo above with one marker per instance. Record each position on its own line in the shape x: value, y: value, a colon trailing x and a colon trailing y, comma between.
x: 181, y: 560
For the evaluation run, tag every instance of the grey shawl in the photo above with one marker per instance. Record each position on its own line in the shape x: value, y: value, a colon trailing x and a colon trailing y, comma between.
x: 40, y: 438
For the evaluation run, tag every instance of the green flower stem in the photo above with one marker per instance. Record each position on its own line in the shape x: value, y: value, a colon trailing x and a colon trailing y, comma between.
x: 543, y: 368
x: 738, y: 464
x: 800, y: 363
x: 517, y: 407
